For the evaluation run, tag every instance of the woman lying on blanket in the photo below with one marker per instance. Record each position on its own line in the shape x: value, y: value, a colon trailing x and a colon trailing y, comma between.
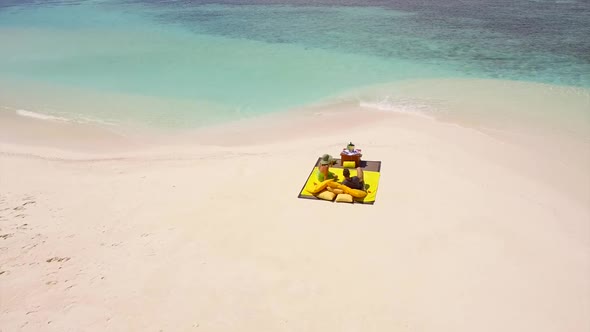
x: 324, y: 169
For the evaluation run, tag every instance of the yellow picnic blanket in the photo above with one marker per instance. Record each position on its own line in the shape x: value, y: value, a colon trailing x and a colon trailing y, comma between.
x: 371, y: 179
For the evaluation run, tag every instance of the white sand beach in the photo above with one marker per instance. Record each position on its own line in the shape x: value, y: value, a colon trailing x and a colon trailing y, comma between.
x: 470, y: 231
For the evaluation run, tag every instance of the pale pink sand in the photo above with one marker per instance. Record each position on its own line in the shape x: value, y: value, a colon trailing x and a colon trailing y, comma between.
x: 469, y: 233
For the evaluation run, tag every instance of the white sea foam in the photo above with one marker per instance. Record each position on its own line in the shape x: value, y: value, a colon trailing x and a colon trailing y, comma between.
x: 399, y: 106
x: 95, y: 121
x: 48, y: 117
x: 40, y: 116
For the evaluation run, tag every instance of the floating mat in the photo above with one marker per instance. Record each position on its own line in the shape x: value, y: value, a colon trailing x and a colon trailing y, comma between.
x: 371, y: 171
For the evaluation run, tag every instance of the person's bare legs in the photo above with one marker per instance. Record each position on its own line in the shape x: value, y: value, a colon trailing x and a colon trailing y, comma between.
x: 359, y: 173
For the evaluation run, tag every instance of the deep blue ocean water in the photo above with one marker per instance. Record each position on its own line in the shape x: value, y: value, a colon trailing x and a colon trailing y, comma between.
x: 262, y: 56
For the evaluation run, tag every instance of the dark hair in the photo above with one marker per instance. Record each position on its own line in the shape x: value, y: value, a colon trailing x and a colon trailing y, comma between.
x: 346, y: 172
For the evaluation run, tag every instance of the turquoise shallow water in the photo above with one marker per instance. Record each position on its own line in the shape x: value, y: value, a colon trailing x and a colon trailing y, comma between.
x: 230, y: 59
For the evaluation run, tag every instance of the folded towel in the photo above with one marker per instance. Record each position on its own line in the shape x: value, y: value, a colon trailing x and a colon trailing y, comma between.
x: 351, y: 153
x: 349, y: 164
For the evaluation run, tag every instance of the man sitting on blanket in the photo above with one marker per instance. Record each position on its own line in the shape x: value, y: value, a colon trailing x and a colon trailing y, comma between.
x: 355, y: 182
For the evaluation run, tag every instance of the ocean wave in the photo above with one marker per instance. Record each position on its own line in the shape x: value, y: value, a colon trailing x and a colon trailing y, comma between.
x: 48, y: 117
x: 40, y: 116
x: 399, y: 106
